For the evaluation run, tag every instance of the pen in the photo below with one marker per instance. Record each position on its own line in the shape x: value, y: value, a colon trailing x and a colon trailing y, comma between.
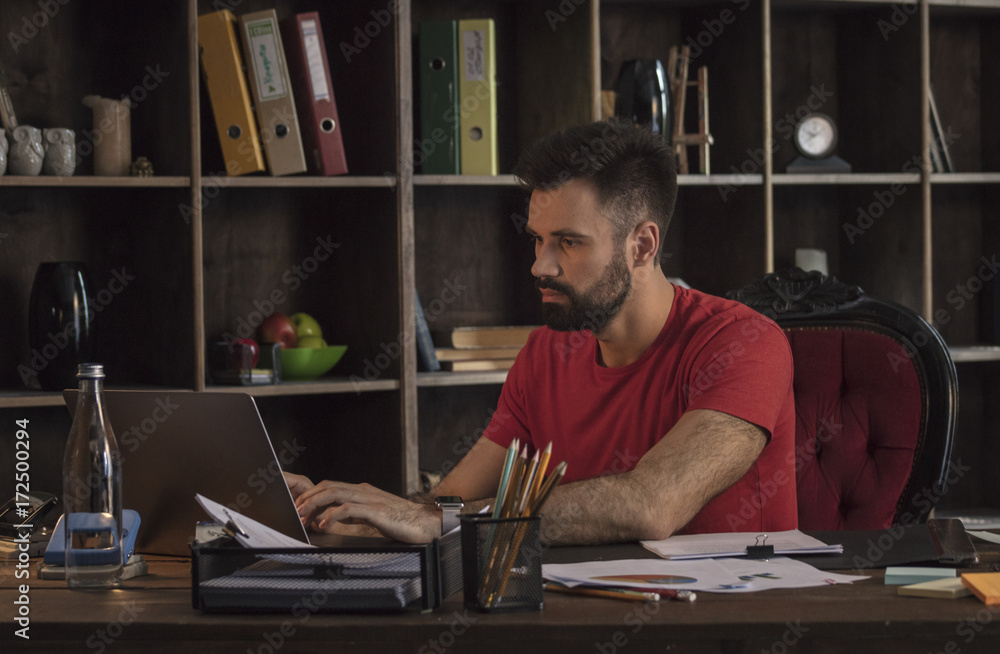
x: 233, y: 528
x: 610, y: 593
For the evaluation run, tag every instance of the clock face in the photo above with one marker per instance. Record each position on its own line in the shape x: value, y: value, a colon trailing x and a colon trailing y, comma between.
x: 816, y: 136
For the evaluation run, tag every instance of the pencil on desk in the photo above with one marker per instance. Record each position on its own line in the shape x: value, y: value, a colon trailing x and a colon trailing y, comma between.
x: 610, y: 593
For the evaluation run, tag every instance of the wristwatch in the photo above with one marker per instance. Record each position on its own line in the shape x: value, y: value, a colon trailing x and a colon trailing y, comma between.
x: 451, y: 507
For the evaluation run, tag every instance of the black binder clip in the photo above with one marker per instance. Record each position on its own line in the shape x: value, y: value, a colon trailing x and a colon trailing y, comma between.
x: 759, y: 550
x: 234, y: 529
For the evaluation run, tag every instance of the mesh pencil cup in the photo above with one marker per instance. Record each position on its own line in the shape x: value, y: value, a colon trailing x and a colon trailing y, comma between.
x: 502, y: 563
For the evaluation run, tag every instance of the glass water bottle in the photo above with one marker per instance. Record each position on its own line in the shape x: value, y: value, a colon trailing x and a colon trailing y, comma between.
x: 92, y: 490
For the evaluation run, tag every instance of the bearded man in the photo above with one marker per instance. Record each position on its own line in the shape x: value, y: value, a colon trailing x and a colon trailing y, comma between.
x: 672, y: 408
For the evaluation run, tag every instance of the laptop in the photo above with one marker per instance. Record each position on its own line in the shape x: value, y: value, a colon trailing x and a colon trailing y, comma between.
x: 175, y: 444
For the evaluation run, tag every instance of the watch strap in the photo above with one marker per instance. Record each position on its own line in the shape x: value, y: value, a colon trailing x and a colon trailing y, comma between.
x: 449, y: 518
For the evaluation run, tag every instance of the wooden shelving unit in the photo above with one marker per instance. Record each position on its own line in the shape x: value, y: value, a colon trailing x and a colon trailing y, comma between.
x: 208, y: 250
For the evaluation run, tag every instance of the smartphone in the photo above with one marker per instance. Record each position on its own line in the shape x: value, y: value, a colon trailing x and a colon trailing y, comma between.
x: 20, y: 511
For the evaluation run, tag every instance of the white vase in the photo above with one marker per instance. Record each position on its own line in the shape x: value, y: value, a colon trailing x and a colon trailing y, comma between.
x: 113, y: 135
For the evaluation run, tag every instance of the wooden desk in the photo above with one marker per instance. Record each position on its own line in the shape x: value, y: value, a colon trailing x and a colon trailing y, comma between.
x: 153, y: 614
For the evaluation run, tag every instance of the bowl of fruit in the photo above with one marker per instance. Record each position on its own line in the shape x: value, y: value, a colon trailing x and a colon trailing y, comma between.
x: 304, y: 353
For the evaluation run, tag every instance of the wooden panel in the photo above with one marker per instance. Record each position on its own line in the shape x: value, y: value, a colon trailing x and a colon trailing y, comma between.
x: 961, y: 296
x: 879, y: 110
x: 553, y: 79
x: 722, y: 239
x: 474, y: 260
x: 957, y: 85
x: 451, y: 421
x: 885, y: 259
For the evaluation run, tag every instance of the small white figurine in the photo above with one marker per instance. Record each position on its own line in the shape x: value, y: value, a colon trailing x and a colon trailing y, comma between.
x: 60, y: 151
x: 26, y: 153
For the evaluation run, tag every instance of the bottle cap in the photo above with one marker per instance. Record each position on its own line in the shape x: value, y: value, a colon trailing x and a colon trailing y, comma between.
x: 90, y: 371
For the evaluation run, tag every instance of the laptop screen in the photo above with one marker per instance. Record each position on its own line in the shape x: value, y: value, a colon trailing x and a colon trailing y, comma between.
x: 175, y: 444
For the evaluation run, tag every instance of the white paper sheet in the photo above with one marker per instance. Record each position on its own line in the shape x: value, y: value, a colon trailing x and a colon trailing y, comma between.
x: 985, y: 535
x: 710, y: 575
x: 697, y: 546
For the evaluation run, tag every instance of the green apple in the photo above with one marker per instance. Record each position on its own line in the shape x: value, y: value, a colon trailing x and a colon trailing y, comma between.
x: 306, y: 325
x: 314, y: 342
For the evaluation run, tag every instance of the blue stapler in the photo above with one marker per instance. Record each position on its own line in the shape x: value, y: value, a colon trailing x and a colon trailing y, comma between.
x: 55, y: 553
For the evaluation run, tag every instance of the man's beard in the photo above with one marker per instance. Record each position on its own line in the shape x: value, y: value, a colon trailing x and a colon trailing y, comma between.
x: 593, y: 309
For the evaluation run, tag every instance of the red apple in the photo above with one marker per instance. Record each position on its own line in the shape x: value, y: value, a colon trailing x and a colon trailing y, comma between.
x: 278, y: 328
x: 244, y: 351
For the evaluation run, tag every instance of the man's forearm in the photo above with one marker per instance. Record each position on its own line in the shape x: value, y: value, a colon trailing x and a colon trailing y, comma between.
x: 707, y: 453
x: 594, y: 511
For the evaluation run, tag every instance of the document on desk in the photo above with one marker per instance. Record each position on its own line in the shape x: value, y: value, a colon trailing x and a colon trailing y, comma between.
x: 248, y: 532
x: 709, y: 575
x: 703, y: 546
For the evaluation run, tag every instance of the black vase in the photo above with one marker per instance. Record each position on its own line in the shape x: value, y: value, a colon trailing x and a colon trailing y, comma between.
x: 59, y: 317
x: 642, y: 95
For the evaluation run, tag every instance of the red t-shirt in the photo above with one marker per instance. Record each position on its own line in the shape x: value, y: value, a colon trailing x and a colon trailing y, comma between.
x: 712, y: 353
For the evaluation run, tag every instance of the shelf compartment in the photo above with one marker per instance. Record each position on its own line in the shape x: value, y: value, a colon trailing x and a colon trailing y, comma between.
x: 966, y: 239
x: 331, y: 253
x: 544, y: 77
x: 964, y: 42
x: 841, y: 64
x: 718, y: 34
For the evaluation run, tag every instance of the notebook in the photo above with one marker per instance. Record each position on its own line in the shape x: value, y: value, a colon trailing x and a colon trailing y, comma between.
x: 175, y: 444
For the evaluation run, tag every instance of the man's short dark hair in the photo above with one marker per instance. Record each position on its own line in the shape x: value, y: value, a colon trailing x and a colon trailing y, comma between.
x: 632, y: 170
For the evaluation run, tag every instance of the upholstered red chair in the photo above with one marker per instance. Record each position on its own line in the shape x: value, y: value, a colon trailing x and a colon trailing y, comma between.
x: 876, y: 399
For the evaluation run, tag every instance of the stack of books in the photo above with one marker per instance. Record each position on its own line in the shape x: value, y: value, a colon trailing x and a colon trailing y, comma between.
x: 479, y: 348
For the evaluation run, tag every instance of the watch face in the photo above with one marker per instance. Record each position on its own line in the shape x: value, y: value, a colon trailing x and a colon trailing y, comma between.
x: 816, y: 136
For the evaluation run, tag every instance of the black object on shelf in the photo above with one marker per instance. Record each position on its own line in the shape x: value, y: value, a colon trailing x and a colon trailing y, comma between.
x: 59, y: 323
x: 642, y: 95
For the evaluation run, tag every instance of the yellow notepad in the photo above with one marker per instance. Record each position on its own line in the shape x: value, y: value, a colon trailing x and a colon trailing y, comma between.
x: 940, y: 588
x: 986, y: 586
